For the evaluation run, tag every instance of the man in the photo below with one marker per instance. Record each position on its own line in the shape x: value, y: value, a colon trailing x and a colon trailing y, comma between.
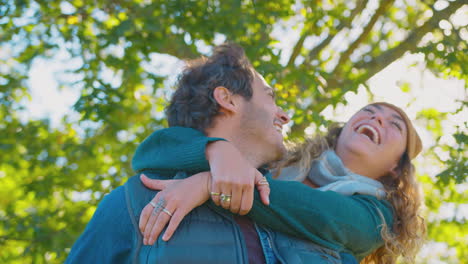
x: 223, y: 97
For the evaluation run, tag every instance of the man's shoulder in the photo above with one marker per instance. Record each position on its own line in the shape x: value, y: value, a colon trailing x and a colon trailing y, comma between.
x: 136, y: 196
x: 109, y: 235
x: 112, y: 204
x: 117, y: 195
x: 115, y: 203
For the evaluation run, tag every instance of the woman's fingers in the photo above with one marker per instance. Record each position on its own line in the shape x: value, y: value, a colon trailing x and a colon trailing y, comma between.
x: 230, y: 195
x: 163, y: 218
x: 145, y: 216
x: 215, y: 193
x: 247, y: 201
x: 232, y: 175
x: 160, y: 211
x: 157, y: 204
x: 224, y: 193
x: 154, y: 184
x: 149, y: 208
x: 174, y: 223
x: 236, y: 198
x: 263, y: 188
x: 264, y: 194
x: 225, y: 199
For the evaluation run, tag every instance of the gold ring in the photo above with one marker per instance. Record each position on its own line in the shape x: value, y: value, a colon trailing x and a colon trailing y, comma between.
x: 263, y: 181
x: 214, y: 193
x: 225, y: 198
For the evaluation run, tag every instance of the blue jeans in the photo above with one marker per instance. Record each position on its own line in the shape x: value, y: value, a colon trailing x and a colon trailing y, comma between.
x: 270, y: 257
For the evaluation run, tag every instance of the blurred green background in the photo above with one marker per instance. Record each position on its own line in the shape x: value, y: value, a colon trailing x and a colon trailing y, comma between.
x: 113, y: 65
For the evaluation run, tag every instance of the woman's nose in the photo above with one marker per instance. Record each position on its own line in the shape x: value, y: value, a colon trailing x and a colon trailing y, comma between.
x: 378, y: 118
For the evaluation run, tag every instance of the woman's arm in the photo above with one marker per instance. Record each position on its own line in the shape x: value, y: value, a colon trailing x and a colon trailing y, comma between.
x: 327, y: 218
x: 173, y: 149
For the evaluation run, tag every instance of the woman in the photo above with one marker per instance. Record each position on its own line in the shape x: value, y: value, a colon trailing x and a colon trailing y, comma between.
x: 370, y: 157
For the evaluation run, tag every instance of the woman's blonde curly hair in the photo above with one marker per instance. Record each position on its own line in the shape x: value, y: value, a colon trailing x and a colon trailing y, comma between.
x: 404, y: 239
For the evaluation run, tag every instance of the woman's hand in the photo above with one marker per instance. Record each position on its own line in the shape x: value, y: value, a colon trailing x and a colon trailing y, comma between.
x: 233, y: 177
x: 176, y: 199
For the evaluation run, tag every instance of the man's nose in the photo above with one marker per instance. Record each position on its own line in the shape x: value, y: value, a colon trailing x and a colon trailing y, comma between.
x: 282, y: 116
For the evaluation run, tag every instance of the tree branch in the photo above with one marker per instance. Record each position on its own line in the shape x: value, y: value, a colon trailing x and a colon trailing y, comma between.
x: 317, y: 49
x: 297, y: 48
x: 410, y: 43
x: 365, y: 33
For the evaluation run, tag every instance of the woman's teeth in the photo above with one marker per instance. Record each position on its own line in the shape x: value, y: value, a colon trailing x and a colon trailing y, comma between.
x: 369, y: 132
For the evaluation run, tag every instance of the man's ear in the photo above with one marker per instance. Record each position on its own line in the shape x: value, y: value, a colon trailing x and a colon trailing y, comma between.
x: 225, y: 99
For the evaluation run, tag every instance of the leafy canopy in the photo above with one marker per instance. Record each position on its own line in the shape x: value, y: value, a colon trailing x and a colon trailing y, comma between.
x: 313, y: 52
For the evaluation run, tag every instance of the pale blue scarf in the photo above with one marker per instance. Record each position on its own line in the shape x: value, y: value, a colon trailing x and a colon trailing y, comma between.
x: 328, y: 172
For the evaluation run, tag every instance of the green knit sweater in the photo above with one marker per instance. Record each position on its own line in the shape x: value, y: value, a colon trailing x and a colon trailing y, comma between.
x: 345, y: 223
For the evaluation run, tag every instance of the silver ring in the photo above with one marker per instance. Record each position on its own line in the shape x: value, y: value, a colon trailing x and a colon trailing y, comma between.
x: 156, y: 210
x: 158, y: 206
x: 167, y: 212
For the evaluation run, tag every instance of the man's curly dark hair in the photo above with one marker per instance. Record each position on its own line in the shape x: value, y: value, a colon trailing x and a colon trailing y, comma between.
x: 193, y: 104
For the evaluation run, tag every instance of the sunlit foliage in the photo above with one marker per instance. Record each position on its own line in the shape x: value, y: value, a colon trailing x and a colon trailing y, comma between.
x: 52, y: 177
